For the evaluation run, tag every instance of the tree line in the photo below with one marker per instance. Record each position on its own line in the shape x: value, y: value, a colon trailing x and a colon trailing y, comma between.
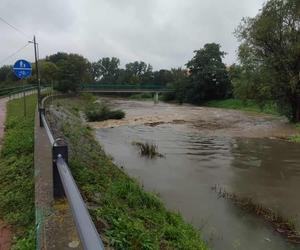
x: 268, y: 68
x: 269, y: 57
x: 205, y: 77
x: 68, y: 71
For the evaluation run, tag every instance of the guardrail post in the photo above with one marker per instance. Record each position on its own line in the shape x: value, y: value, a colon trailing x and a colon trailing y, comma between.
x: 62, y: 151
x: 41, y: 112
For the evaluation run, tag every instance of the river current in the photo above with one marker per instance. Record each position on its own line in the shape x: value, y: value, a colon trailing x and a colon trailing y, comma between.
x: 196, y: 158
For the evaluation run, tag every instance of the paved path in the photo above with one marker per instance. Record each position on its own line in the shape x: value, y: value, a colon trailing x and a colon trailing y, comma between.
x: 55, y: 226
x: 5, y: 233
x: 3, y: 102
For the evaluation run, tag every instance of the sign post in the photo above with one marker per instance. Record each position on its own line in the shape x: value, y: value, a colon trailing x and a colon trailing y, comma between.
x: 22, y: 70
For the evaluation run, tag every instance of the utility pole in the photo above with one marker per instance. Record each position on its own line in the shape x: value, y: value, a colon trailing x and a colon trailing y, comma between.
x: 37, y: 72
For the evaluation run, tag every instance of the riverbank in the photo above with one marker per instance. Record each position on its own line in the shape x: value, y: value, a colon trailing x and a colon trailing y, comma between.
x: 252, y: 106
x: 206, y: 120
x: 126, y: 216
x: 209, y: 146
x: 247, y: 105
x: 5, y: 231
x: 296, y: 137
x: 17, y: 173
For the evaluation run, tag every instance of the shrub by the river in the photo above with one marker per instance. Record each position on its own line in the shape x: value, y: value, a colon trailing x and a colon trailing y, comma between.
x: 99, y: 112
x: 88, y: 97
x: 296, y: 137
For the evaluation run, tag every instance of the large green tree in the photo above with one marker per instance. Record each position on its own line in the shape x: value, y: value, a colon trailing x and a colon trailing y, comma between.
x: 72, y: 70
x: 106, y: 70
x: 180, y: 83
x: 48, y: 72
x: 208, y: 75
x: 271, y: 46
x: 139, y: 72
x: 162, y: 77
x: 7, y: 77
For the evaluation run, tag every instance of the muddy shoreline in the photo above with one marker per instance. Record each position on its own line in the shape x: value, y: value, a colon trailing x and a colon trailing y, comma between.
x: 210, y: 121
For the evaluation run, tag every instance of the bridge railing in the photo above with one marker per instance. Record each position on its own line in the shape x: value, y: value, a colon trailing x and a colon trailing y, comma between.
x: 64, y: 185
x: 97, y: 86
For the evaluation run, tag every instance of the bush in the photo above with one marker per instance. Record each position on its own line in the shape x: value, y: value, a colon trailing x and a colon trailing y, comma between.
x: 88, y: 97
x: 100, y: 112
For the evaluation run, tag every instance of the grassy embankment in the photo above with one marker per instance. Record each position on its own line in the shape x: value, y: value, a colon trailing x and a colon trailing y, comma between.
x: 248, y: 105
x: 125, y: 215
x: 253, y: 107
x: 17, y: 173
x: 296, y: 138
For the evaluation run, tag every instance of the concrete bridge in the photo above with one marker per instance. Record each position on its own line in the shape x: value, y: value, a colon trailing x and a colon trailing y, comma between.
x: 125, y: 88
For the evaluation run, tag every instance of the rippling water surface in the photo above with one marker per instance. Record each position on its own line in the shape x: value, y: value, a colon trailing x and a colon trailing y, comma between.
x: 266, y: 170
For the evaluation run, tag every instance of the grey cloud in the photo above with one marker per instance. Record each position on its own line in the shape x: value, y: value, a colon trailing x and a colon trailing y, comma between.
x: 161, y: 32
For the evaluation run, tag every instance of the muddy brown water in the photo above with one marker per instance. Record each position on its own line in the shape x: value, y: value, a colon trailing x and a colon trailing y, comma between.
x: 204, y: 147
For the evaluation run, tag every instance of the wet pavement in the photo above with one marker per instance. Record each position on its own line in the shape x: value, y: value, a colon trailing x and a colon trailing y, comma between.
x: 5, y: 232
x: 3, y: 102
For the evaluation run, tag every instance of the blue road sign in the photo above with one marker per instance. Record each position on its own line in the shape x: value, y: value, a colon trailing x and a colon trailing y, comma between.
x: 22, y: 69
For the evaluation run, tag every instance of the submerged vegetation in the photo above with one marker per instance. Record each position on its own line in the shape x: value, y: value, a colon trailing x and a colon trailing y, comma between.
x: 282, y: 225
x: 126, y: 216
x: 17, y: 173
x: 147, y: 149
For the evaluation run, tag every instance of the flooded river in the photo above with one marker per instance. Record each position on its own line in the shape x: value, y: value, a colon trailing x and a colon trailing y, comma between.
x: 203, y: 147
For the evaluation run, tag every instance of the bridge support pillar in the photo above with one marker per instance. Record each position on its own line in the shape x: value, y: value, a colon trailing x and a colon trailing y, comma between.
x: 156, y: 98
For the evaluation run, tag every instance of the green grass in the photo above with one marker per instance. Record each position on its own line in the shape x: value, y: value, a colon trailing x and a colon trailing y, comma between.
x: 296, y: 137
x: 17, y: 173
x: 126, y: 216
x: 248, y: 105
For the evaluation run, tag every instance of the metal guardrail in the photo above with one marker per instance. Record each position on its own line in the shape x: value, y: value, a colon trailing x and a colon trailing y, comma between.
x: 7, y: 91
x: 65, y: 185
x: 85, y: 227
x: 20, y: 91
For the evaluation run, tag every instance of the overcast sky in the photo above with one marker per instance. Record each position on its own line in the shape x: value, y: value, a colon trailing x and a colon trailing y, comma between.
x: 163, y: 33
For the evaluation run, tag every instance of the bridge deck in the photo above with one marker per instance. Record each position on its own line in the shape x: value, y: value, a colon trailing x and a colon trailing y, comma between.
x: 125, y: 90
